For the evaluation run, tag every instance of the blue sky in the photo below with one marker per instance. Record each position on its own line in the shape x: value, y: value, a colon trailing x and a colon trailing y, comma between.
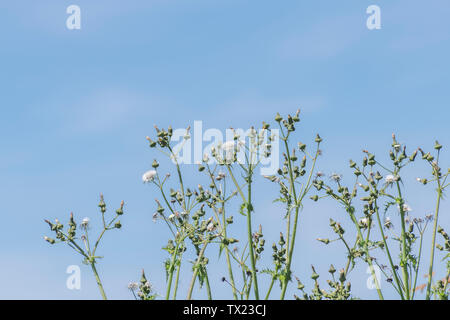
x: 76, y: 106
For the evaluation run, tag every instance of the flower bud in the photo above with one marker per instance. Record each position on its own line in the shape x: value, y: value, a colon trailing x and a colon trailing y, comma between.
x: 49, y: 240
x: 278, y: 118
x: 318, y: 139
x: 332, y: 269
x: 301, y: 146
x: 281, y: 242
x: 342, y: 276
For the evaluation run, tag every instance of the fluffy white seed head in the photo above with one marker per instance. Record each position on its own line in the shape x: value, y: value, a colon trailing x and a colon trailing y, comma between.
x: 149, y: 176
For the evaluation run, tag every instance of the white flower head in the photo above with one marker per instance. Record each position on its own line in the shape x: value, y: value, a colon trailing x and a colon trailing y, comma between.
x: 133, y: 286
x: 210, y: 227
x: 231, y: 145
x: 390, y: 179
x: 85, y: 223
x: 364, y: 222
x: 407, y: 219
x: 406, y: 208
x: 221, y: 175
x: 336, y: 177
x: 388, y: 223
x: 149, y: 176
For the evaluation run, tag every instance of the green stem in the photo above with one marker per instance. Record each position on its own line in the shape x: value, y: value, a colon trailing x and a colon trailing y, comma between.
x: 194, y: 275
x: 99, y: 282
x: 397, y: 281
x: 433, y: 241
x: 176, y: 280
x: 250, y: 238
x: 294, y: 228
x: 366, y: 251
x: 413, y: 289
x: 227, y: 255
x: 271, y: 284
x: 208, y: 288
x: 171, y: 270
x: 404, y: 263
x: 249, y: 223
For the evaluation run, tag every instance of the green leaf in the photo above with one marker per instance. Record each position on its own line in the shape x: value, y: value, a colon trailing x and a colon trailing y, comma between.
x: 241, y: 209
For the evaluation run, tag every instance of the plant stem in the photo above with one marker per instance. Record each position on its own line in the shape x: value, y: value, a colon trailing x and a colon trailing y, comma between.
x: 404, y: 263
x: 249, y: 222
x: 294, y: 227
x: 271, y: 284
x: 99, y: 282
x: 413, y: 288
x: 208, y: 288
x: 366, y: 251
x: 194, y: 275
x: 397, y: 281
x: 176, y: 280
x: 171, y: 270
x: 227, y: 255
x: 433, y: 241
x: 250, y: 237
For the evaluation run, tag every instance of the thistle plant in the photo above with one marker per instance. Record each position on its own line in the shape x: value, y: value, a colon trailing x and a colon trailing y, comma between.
x: 293, y: 190
x: 382, y: 190
x: 440, y: 179
x: 226, y: 155
x: 142, y: 290
x: 208, y: 216
x: 181, y: 219
x: 339, y: 288
x: 86, y: 248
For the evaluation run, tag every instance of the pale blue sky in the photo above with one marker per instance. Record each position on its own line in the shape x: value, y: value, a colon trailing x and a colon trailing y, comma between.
x: 76, y: 107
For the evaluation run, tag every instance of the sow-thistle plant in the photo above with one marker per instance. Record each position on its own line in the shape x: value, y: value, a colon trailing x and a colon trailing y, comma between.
x: 183, y: 211
x: 142, y: 290
x: 295, y: 181
x: 83, y: 244
x: 441, y: 183
x: 379, y: 189
x: 339, y: 288
x: 203, y: 217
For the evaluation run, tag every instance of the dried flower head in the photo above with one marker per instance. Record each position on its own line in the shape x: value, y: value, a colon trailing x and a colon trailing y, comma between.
x: 149, y: 176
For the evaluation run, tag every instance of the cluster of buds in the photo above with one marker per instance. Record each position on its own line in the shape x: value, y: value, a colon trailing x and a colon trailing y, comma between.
x: 258, y: 242
x: 70, y: 235
x: 337, y: 228
x: 57, y: 227
x: 288, y: 123
x: 279, y: 253
x: 145, y: 289
x: 163, y: 137
x: 339, y: 288
x: 446, y: 246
